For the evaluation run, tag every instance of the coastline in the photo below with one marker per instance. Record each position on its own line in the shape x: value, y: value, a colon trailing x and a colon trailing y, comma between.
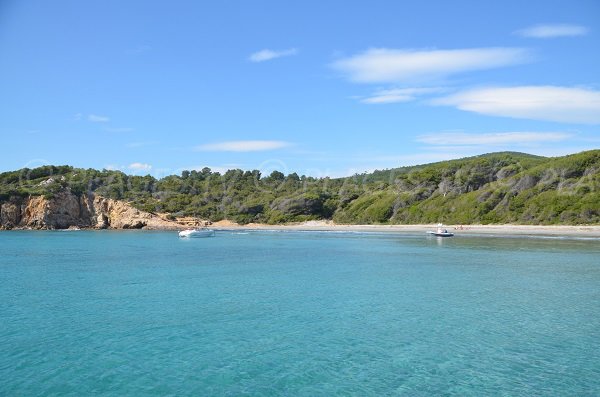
x: 590, y: 231
x: 574, y: 231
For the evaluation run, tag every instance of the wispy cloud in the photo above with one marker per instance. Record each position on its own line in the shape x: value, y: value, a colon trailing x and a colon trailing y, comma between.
x: 139, y: 167
x: 119, y: 129
x: 267, y: 55
x: 141, y: 144
x: 133, y: 167
x: 94, y: 118
x: 398, y: 95
x: 242, y: 146
x: 552, y: 30
x: 498, y: 138
x: 407, y: 66
x: 548, y: 103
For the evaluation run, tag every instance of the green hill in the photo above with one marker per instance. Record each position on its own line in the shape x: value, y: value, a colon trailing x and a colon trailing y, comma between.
x: 505, y: 187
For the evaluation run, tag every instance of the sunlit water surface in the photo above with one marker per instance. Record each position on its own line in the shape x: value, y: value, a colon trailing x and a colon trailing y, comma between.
x: 298, y: 314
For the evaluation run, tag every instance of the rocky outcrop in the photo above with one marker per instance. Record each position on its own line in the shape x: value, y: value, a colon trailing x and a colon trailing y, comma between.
x: 66, y: 210
x: 10, y: 214
x: 60, y: 212
x: 115, y: 214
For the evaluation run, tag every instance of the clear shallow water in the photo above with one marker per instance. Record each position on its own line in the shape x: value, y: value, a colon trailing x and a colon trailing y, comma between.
x: 313, y: 314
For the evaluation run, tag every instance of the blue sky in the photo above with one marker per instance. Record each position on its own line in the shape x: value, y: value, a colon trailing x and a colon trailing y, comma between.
x: 318, y: 88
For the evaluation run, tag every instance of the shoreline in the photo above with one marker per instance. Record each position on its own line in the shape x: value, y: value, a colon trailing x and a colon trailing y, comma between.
x: 586, y: 231
x: 592, y: 231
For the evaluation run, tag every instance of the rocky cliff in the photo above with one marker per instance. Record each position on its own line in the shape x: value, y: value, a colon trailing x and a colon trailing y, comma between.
x: 66, y: 209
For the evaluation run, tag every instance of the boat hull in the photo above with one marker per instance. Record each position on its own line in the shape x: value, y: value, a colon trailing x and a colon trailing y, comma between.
x: 447, y: 234
x: 197, y: 233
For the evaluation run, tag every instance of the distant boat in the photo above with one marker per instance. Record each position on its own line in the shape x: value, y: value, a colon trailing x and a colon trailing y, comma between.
x: 441, y: 231
x: 203, y: 232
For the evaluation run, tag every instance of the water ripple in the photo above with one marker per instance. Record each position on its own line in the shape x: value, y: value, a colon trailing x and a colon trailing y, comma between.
x: 302, y: 314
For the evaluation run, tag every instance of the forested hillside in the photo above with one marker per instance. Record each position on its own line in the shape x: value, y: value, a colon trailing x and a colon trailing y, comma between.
x: 493, y: 188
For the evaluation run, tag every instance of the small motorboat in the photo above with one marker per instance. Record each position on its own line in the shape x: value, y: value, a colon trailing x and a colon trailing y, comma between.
x: 203, y: 232
x: 441, y: 231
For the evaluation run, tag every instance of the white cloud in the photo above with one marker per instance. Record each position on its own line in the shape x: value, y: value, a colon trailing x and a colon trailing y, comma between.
x: 119, y: 129
x: 139, y: 167
x: 267, y: 55
x: 94, y: 118
x: 141, y: 144
x: 549, y: 103
x: 398, y: 95
x: 499, y: 138
x: 552, y: 30
x: 242, y: 146
x: 394, y: 66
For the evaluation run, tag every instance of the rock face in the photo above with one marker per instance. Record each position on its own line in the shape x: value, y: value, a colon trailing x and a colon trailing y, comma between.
x: 66, y: 210
x: 117, y: 214
x: 10, y: 214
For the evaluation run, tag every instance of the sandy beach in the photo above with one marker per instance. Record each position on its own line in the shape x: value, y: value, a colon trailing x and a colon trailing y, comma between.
x: 500, y: 230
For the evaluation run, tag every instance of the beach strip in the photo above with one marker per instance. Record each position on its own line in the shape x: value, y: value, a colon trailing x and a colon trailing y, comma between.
x: 591, y: 231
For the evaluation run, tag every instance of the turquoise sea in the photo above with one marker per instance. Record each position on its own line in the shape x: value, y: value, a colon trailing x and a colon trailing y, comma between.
x: 139, y: 313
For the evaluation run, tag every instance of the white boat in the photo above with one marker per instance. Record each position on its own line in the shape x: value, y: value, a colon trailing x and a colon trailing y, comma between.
x: 441, y: 231
x: 204, y: 232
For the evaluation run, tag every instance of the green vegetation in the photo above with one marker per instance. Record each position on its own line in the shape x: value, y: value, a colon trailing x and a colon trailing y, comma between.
x: 502, y: 187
